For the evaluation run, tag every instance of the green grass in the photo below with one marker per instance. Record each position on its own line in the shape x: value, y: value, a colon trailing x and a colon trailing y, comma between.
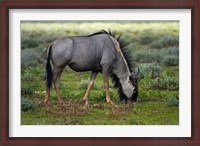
x: 158, y: 104
x: 101, y: 113
x: 152, y: 107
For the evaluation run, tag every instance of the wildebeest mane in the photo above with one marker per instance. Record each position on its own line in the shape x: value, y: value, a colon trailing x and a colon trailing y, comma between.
x: 123, y: 45
x: 127, y: 55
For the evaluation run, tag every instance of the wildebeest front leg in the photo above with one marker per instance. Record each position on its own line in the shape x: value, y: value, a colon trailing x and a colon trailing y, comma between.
x: 56, y: 78
x: 106, y: 86
x: 90, y: 84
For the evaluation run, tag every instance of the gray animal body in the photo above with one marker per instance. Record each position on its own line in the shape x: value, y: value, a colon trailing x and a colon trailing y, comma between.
x: 99, y: 52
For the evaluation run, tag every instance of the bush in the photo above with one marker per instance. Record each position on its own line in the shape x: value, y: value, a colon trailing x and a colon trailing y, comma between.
x: 172, y: 101
x: 171, y: 51
x: 27, y: 76
x: 27, y: 104
x: 164, y: 82
x: 153, y: 70
x: 166, y: 55
x: 31, y: 57
x: 147, y: 56
x: 170, y: 60
x: 146, y: 37
x: 34, y: 38
x: 27, y: 90
x: 165, y: 41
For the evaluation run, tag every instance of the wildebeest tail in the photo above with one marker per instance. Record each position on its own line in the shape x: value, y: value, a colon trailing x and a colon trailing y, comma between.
x: 49, y: 73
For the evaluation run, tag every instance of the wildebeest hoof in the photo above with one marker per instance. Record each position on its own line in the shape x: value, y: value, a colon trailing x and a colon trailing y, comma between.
x: 61, y: 101
x: 86, y: 107
x: 116, y: 106
x: 111, y: 103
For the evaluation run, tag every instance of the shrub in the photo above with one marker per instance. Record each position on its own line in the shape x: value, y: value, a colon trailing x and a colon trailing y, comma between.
x: 171, y: 51
x: 170, y: 60
x: 147, y: 56
x: 27, y: 76
x: 172, y: 101
x: 29, y: 39
x: 165, y: 41
x: 27, y: 104
x: 27, y: 90
x: 146, y: 37
x: 164, y: 82
x: 32, y: 57
x: 153, y: 70
x: 29, y: 58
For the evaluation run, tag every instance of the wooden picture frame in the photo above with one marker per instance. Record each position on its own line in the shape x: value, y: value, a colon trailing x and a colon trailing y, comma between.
x: 6, y: 5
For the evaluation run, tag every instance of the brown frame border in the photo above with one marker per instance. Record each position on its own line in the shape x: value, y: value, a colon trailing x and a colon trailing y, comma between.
x: 194, y: 5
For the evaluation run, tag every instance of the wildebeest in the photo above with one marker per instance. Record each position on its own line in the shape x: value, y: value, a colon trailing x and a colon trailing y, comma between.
x: 98, y: 52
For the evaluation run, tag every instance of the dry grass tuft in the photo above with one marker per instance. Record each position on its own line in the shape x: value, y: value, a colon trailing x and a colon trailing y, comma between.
x: 78, y: 108
x: 69, y: 108
x: 120, y: 110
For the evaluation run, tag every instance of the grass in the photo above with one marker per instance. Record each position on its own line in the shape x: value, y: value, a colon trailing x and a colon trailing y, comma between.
x: 152, y: 107
x: 149, y: 42
x: 101, y: 113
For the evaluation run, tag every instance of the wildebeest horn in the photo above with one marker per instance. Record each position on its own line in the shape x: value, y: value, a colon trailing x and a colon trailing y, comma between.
x: 132, y: 73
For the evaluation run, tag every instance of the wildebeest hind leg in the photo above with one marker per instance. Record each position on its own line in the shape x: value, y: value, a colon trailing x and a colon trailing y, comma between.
x: 90, y: 84
x: 46, y: 100
x: 56, y: 78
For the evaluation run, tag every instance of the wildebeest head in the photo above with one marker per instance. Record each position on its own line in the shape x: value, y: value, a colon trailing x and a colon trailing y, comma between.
x: 133, y: 83
x: 133, y: 80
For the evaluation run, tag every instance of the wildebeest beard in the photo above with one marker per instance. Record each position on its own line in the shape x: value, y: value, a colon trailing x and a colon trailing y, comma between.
x: 122, y: 96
